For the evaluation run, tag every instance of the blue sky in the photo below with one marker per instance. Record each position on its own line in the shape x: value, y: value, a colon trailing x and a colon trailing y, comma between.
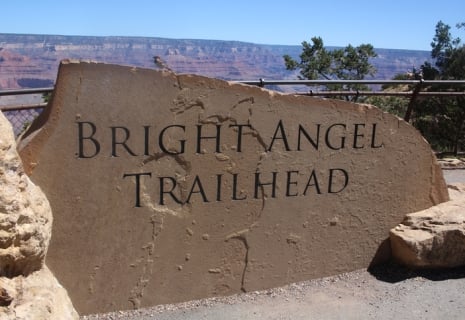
x: 385, y: 24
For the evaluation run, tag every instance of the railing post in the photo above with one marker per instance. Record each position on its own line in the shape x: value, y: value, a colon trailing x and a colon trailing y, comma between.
x: 411, y: 103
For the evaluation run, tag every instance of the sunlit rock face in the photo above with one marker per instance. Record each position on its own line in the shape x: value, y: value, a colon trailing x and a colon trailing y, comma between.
x: 434, y: 237
x: 26, y: 218
x: 28, y: 290
x: 176, y: 187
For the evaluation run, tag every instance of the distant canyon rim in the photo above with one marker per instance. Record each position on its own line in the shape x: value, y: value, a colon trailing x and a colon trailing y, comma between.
x: 32, y: 60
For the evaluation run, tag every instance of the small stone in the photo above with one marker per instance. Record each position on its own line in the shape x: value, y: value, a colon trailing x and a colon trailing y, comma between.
x: 222, y: 157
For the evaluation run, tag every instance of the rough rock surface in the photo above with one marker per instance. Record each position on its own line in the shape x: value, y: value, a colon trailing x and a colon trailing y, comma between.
x: 25, y: 215
x: 435, y: 237
x: 28, y: 290
x: 183, y: 187
x: 37, y: 296
x: 456, y: 190
x: 452, y: 163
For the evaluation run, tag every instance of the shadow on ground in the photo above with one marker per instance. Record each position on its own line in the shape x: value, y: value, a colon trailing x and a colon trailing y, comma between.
x: 384, y: 268
x: 393, y: 272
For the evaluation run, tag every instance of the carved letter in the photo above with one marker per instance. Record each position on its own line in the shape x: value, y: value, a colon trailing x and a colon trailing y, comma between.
x: 357, y: 135
x: 331, y: 176
x: 310, y: 184
x: 200, y: 190
x: 146, y: 140
x: 314, y: 144
x: 373, y: 138
x: 90, y: 137
x: 216, y: 137
x: 239, y: 134
x: 282, y: 136
x: 123, y: 143
x: 218, y: 186
x: 289, y: 182
x: 234, y: 197
x: 162, y: 145
x: 137, y: 175
x: 343, y: 138
x: 259, y: 184
x: 170, y: 192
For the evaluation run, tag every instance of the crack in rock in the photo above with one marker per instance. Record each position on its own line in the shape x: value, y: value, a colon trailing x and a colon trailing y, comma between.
x: 254, y: 133
x: 251, y: 100
x: 137, y: 292
x: 178, y: 81
x: 182, y: 105
x: 241, y: 236
x: 217, y: 119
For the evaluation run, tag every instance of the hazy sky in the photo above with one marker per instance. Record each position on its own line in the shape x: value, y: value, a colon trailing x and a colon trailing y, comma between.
x: 395, y: 24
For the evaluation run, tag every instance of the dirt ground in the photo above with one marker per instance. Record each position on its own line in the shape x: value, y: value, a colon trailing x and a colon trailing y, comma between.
x: 388, y: 291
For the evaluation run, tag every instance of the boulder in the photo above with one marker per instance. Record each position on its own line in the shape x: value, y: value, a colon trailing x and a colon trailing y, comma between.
x: 28, y: 290
x: 25, y: 214
x: 452, y: 163
x: 37, y: 296
x: 433, y: 238
x: 183, y: 187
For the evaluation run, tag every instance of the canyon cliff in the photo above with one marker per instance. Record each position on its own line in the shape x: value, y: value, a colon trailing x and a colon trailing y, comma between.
x: 28, y: 61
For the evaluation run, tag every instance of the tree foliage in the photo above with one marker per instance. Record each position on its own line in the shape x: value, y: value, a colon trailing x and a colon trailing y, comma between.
x: 396, y: 105
x: 349, y: 63
x: 442, y: 120
x: 160, y: 63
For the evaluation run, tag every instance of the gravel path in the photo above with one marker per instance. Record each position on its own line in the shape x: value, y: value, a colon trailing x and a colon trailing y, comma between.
x: 454, y: 175
x: 386, y: 292
x: 390, y: 292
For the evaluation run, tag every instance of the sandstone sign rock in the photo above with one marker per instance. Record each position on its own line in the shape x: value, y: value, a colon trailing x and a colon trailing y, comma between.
x: 169, y: 187
x: 28, y: 290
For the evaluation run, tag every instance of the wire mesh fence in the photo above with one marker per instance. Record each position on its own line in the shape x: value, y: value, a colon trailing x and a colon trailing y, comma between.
x: 21, y: 119
x: 22, y: 106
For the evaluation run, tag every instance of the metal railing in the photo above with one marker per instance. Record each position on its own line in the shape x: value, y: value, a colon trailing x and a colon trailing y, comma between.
x: 414, y: 93
x: 21, y: 115
x: 416, y: 87
x: 17, y: 92
x: 263, y: 82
